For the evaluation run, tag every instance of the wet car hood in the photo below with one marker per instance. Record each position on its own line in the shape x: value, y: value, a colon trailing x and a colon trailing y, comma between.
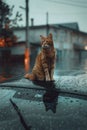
x: 43, y: 105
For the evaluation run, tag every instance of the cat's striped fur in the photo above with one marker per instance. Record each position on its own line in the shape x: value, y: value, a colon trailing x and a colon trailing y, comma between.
x: 45, y: 61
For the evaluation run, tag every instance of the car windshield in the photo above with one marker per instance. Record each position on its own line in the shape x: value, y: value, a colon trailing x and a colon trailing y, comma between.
x: 53, y: 100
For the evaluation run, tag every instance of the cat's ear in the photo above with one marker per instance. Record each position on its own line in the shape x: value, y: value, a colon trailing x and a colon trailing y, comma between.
x: 42, y: 38
x: 50, y: 35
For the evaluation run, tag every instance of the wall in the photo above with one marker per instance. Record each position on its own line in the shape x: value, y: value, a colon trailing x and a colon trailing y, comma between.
x: 20, y: 34
x: 63, y: 38
x: 34, y: 34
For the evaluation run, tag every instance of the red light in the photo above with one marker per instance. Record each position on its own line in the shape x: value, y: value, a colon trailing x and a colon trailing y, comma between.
x: 27, y: 60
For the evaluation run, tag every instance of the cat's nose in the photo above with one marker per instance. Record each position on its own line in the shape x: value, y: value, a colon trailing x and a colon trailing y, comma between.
x: 46, y: 46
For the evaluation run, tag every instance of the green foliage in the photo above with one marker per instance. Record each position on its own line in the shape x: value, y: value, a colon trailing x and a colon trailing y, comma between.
x: 6, y: 22
x: 6, y: 13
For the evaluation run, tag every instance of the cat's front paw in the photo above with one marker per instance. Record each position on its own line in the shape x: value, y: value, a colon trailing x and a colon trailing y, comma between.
x: 48, y: 79
x: 52, y: 79
x: 26, y: 76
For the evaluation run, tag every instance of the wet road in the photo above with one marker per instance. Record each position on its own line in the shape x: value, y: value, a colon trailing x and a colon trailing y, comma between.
x: 71, y: 67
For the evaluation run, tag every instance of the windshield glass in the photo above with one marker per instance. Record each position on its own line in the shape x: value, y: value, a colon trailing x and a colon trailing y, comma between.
x: 43, y: 65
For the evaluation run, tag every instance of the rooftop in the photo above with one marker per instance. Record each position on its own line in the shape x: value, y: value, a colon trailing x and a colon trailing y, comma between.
x: 70, y: 26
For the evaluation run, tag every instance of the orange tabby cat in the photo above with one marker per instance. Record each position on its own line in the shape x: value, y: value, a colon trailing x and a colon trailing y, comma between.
x: 45, y: 60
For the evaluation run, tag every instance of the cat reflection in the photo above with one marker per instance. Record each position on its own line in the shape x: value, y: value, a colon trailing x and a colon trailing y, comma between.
x: 50, y: 99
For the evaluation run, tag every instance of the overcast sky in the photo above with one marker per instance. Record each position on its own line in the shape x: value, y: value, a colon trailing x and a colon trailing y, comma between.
x: 60, y: 11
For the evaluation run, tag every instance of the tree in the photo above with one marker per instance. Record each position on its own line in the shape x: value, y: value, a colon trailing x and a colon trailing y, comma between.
x: 6, y: 13
x: 8, y: 37
x: 6, y: 20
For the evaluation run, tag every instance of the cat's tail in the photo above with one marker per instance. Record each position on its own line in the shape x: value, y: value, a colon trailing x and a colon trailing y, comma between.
x: 30, y: 76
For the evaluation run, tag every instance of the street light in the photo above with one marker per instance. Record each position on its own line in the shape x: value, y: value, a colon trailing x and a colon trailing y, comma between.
x: 85, y: 48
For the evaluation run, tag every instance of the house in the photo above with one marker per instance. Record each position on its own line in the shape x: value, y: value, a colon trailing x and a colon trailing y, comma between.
x: 66, y: 36
x: 68, y: 39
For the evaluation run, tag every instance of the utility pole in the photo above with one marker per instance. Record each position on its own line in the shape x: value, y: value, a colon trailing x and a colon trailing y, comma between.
x: 27, y: 24
x: 27, y: 45
x: 47, y: 25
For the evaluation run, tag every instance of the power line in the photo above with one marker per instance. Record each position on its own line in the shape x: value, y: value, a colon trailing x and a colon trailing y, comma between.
x: 77, y: 13
x: 69, y: 3
x: 65, y: 3
x: 80, y: 1
x: 77, y: 1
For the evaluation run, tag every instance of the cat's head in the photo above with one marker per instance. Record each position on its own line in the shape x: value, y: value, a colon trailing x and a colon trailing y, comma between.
x: 47, y: 42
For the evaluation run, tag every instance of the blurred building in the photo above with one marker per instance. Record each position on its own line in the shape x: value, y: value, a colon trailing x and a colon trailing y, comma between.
x: 66, y: 36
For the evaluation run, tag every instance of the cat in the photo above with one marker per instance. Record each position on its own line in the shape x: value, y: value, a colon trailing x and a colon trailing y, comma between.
x: 43, y: 69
